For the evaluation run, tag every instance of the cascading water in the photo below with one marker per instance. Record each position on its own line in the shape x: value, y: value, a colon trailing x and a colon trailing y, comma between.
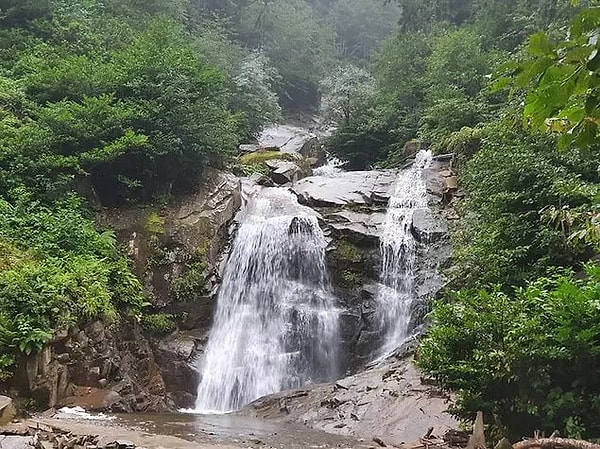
x: 276, y: 323
x: 331, y: 169
x: 396, y: 296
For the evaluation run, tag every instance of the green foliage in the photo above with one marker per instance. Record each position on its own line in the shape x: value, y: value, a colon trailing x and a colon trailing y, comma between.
x: 360, y: 147
x: 291, y: 35
x: 192, y: 284
x: 505, y: 239
x: 137, y: 111
x: 6, y: 364
x: 56, y: 270
x: 563, y: 81
x: 348, y: 252
x: 155, y: 223
x: 158, y: 324
x: 464, y: 144
x: 528, y: 358
x: 352, y: 278
x: 347, y: 92
x: 254, y: 97
x: 360, y: 26
x: 422, y: 14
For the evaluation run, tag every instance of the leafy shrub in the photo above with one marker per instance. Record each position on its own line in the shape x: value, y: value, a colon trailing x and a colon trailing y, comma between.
x: 504, y: 238
x: 191, y: 284
x: 56, y: 270
x: 158, y: 324
x: 529, y: 358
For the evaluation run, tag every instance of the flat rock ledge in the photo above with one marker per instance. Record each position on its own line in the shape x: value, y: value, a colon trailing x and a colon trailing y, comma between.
x: 391, y: 402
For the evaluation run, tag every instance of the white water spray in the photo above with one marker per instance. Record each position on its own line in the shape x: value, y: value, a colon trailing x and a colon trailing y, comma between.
x: 396, y: 296
x: 276, y: 325
x: 331, y: 169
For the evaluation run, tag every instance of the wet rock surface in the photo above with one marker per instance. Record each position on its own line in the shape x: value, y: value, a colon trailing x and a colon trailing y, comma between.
x: 427, y: 226
x: 347, y: 189
x: 98, y: 368
x: 353, y: 210
x: 390, y: 402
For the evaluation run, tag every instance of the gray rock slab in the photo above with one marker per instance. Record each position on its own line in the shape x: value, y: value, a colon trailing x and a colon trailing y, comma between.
x: 428, y: 226
x: 361, y: 226
x: 358, y: 188
x: 16, y: 442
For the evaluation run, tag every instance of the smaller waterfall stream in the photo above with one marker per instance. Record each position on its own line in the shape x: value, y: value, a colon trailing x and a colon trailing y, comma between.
x: 276, y: 323
x: 396, y: 296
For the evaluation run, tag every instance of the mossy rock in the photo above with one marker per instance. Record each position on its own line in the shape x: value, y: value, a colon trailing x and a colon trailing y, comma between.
x: 347, y: 252
x: 260, y: 157
x: 352, y: 279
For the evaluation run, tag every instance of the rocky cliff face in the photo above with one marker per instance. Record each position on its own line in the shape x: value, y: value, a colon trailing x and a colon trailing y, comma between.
x: 96, y: 367
x: 176, y: 249
x: 353, y: 206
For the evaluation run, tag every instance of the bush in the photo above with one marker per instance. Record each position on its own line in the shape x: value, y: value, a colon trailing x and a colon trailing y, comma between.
x: 158, y: 324
x: 528, y: 359
x: 504, y: 237
x: 56, y: 270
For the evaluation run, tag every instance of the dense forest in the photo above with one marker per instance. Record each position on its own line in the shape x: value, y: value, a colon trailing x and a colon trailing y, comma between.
x: 113, y: 102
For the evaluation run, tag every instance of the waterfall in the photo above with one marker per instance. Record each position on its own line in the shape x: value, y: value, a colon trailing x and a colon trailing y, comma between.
x: 331, y: 169
x: 396, y: 296
x: 276, y: 324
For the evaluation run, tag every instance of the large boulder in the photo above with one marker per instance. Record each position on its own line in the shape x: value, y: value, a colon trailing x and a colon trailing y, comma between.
x: 294, y: 139
x: 7, y: 410
x: 358, y: 227
x: 288, y: 138
x: 176, y: 355
x: 284, y: 172
x: 362, y: 188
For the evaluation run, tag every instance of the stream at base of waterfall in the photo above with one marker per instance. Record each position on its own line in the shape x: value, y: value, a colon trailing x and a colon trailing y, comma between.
x: 276, y: 322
